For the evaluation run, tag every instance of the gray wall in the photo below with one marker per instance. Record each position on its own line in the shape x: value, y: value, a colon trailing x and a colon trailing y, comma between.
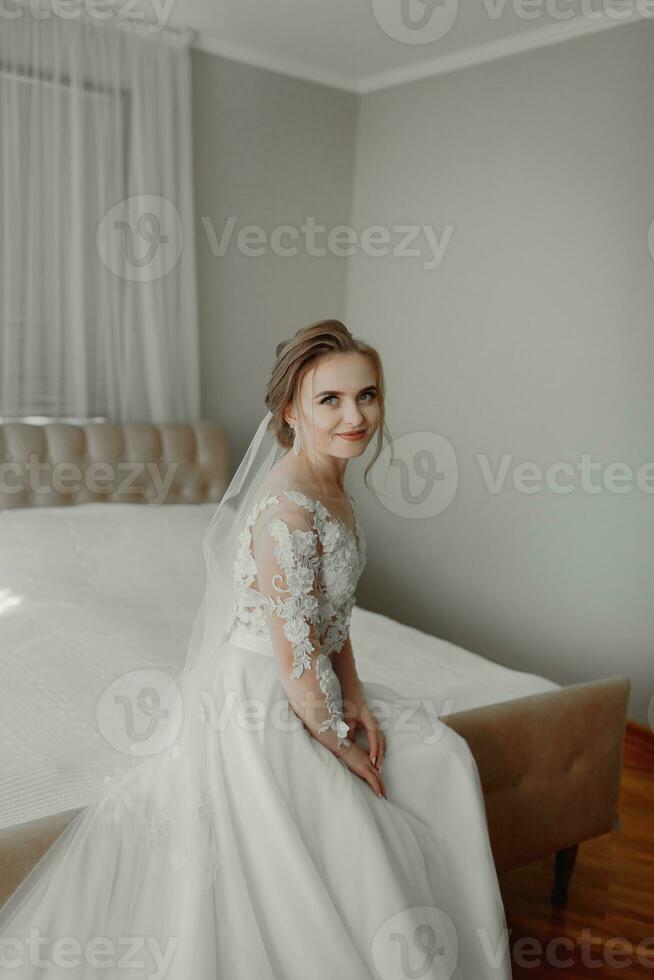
x: 270, y: 150
x: 533, y: 338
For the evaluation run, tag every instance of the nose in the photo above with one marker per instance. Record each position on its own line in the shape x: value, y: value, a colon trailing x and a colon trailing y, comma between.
x: 354, y: 418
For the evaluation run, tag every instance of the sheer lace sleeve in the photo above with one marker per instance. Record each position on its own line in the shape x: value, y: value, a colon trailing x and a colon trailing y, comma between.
x: 288, y: 558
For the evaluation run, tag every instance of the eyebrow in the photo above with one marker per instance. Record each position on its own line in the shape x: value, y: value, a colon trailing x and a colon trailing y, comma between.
x: 320, y: 394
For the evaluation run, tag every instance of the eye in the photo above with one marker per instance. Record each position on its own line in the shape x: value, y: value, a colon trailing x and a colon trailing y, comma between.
x: 327, y: 399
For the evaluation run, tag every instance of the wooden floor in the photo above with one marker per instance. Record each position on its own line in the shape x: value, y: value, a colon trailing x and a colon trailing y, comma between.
x: 602, y: 931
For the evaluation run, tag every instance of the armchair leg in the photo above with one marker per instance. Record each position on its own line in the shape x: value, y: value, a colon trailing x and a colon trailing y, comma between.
x: 564, y: 862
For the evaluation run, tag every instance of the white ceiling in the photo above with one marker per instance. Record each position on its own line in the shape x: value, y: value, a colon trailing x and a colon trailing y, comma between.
x: 363, y: 45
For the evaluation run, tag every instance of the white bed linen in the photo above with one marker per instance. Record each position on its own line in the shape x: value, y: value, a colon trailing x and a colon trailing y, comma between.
x: 85, y: 598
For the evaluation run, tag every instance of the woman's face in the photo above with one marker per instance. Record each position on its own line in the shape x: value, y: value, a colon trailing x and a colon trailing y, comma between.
x: 337, y: 397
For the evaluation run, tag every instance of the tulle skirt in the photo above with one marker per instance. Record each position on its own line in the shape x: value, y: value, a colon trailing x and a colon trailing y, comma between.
x: 265, y: 858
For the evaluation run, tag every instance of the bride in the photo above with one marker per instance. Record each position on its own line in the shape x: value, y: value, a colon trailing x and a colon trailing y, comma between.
x: 286, y: 821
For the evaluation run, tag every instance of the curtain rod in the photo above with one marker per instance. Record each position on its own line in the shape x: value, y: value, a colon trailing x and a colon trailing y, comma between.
x: 42, y: 81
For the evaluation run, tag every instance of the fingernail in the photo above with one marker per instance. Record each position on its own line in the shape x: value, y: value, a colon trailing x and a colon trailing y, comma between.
x: 374, y: 760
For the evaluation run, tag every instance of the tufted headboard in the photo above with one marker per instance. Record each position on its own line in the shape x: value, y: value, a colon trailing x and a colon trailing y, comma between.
x: 61, y: 463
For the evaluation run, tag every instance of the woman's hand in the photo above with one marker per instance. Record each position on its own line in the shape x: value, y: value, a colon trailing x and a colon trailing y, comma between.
x: 359, y: 714
x: 357, y: 761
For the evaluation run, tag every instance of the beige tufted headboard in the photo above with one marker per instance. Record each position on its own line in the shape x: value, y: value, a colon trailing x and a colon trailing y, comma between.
x: 60, y: 463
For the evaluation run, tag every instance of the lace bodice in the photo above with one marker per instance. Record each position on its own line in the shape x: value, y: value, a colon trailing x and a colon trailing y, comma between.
x: 295, y: 576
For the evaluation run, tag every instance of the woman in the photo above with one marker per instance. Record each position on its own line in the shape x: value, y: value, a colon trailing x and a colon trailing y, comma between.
x: 257, y: 837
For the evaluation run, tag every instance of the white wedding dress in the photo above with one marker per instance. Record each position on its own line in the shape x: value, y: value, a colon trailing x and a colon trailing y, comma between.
x: 264, y: 857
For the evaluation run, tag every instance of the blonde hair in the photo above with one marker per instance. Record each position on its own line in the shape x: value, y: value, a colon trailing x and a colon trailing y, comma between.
x: 294, y: 359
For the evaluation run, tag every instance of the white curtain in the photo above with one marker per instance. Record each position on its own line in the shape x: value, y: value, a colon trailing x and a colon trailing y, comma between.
x: 98, y: 307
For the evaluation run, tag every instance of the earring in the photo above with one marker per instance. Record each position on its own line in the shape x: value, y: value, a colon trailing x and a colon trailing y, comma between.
x: 296, y: 441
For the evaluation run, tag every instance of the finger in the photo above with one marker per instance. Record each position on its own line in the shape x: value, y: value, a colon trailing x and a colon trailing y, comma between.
x: 377, y: 757
x: 374, y: 751
x: 373, y: 780
x: 377, y: 783
x: 381, y: 755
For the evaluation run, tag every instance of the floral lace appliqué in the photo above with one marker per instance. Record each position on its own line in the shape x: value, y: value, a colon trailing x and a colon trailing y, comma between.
x: 299, y: 607
x: 314, y: 595
x: 297, y: 554
x: 331, y: 688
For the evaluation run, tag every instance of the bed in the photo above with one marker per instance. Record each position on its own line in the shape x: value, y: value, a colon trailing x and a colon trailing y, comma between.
x: 85, y: 599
